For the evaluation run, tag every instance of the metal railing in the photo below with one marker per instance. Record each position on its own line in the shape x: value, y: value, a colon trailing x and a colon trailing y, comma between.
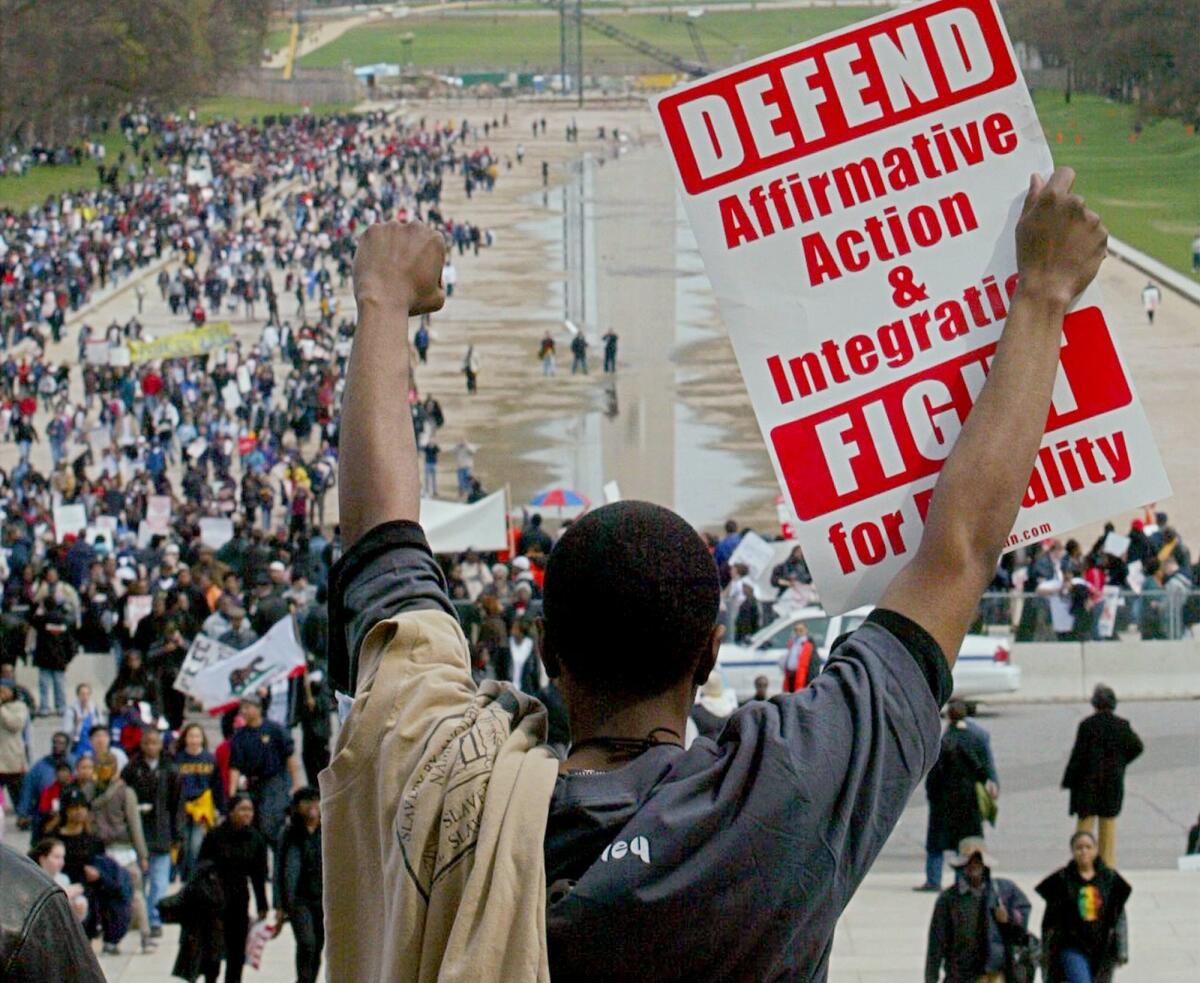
x: 1151, y: 615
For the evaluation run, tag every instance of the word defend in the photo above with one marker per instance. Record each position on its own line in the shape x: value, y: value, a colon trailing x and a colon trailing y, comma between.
x: 855, y: 200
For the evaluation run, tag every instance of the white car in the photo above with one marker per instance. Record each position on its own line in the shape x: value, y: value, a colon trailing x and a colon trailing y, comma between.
x: 983, y: 668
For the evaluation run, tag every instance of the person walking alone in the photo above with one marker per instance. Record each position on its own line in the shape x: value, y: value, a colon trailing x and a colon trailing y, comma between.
x: 155, y: 782
x: 1151, y: 298
x: 978, y: 923
x: 546, y: 353
x: 579, y: 347
x: 610, y: 351
x: 239, y: 853
x: 953, y: 801
x: 470, y: 368
x: 1105, y: 744
x: 1084, y: 932
x: 298, y: 896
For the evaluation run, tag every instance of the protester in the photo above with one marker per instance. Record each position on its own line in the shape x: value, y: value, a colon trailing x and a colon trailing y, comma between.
x: 629, y: 704
x: 155, y: 782
x: 800, y: 664
x: 51, y: 856
x: 954, y: 814
x: 42, y: 775
x: 201, y: 793
x: 1084, y: 934
x: 263, y: 766
x: 713, y: 707
x: 238, y: 851
x: 107, y: 885
x: 1105, y: 745
x: 978, y: 924
x: 117, y: 820
x: 298, y: 883
x: 14, y: 717
x: 81, y: 717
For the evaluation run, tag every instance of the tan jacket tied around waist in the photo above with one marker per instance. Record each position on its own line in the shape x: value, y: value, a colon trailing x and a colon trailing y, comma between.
x: 434, y: 811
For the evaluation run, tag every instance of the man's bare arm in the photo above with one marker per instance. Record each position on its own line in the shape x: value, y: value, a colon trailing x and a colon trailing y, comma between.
x: 1060, y: 244
x: 397, y: 272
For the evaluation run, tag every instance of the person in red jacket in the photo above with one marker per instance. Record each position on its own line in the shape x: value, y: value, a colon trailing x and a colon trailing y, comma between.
x: 801, y: 663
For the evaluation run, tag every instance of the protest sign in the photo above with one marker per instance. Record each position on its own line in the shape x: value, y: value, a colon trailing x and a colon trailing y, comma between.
x: 158, y: 514
x: 106, y: 522
x: 1115, y: 544
x: 136, y: 608
x: 216, y: 531
x: 94, y: 534
x: 99, y: 439
x: 753, y: 552
x: 854, y: 199
x: 217, y: 676
x: 96, y: 352
x: 69, y: 520
x: 183, y: 344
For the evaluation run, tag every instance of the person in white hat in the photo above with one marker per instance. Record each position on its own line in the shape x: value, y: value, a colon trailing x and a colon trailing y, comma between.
x: 979, y: 926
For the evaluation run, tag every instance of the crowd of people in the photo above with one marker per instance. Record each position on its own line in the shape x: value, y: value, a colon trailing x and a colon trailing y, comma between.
x: 131, y: 798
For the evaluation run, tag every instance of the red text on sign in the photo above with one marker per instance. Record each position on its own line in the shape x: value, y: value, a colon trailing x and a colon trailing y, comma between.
x: 820, y: 95
x: 903, y: 431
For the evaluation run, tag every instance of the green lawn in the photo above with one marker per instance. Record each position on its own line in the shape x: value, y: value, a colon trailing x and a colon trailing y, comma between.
x: 245, y: 108
x: 34, y: 187
x: 1147, y: 191
x: 490, y: 43
x: 277, y: 39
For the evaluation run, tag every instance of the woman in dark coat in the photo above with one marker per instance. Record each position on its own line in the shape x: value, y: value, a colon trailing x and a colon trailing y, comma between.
x: 950, y: 787
x: 239, y: 853
x: 199, y: 908
x: 1105, y: 744
x: 1083, y: 929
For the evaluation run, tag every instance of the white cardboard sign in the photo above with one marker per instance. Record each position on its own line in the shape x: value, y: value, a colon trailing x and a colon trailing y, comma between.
x: 69, y: 520
x: 855, y: 200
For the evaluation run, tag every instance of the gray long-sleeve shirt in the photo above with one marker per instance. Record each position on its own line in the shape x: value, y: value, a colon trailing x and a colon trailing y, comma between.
x: 730, y: 860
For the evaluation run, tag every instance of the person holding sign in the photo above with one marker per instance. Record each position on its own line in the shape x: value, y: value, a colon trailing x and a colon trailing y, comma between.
x: 492, y: 854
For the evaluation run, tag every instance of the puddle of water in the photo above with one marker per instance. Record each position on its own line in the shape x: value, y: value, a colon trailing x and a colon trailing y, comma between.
x: 651, y: 440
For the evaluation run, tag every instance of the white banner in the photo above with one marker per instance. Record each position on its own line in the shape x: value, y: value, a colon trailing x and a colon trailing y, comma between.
x: 69, y: 520
x: 855, y: 200
x: 216, y: 531
x: 217, y: 675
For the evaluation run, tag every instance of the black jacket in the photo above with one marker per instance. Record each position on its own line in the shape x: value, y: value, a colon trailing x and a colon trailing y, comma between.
x: 40, y: 937
x: 1101, y: 936
x: 298, y: 870
x: 964, y: 935
x: 199, y: 909
x: 953, y: 804
x: 1104, y: 745
x: 158, y: 788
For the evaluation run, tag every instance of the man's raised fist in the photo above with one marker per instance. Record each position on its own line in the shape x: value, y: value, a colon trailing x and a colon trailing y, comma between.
x: 399, y: 265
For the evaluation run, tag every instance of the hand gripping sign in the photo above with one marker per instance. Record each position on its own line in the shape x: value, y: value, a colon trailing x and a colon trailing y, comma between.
x: 855, y: 200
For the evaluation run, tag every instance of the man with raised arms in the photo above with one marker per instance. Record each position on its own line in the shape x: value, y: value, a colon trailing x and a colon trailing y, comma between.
x: 457, y: 847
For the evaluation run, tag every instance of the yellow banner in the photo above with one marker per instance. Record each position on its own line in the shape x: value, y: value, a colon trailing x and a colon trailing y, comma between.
x: 185, y: 344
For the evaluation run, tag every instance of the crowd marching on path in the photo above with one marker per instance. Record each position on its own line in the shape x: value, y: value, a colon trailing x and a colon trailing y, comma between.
x: 152, y: 439
x: 186, y: 506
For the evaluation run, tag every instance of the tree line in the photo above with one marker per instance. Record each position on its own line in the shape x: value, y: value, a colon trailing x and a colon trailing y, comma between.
x: 65, y: 65
x: 1145, y: 52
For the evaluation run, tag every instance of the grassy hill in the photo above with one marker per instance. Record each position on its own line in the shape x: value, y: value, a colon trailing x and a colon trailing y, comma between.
x: 1147, y: 190
x: 492, y: 43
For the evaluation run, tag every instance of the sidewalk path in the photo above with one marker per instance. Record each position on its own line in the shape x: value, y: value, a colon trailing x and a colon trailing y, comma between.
x: 881, y: 937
